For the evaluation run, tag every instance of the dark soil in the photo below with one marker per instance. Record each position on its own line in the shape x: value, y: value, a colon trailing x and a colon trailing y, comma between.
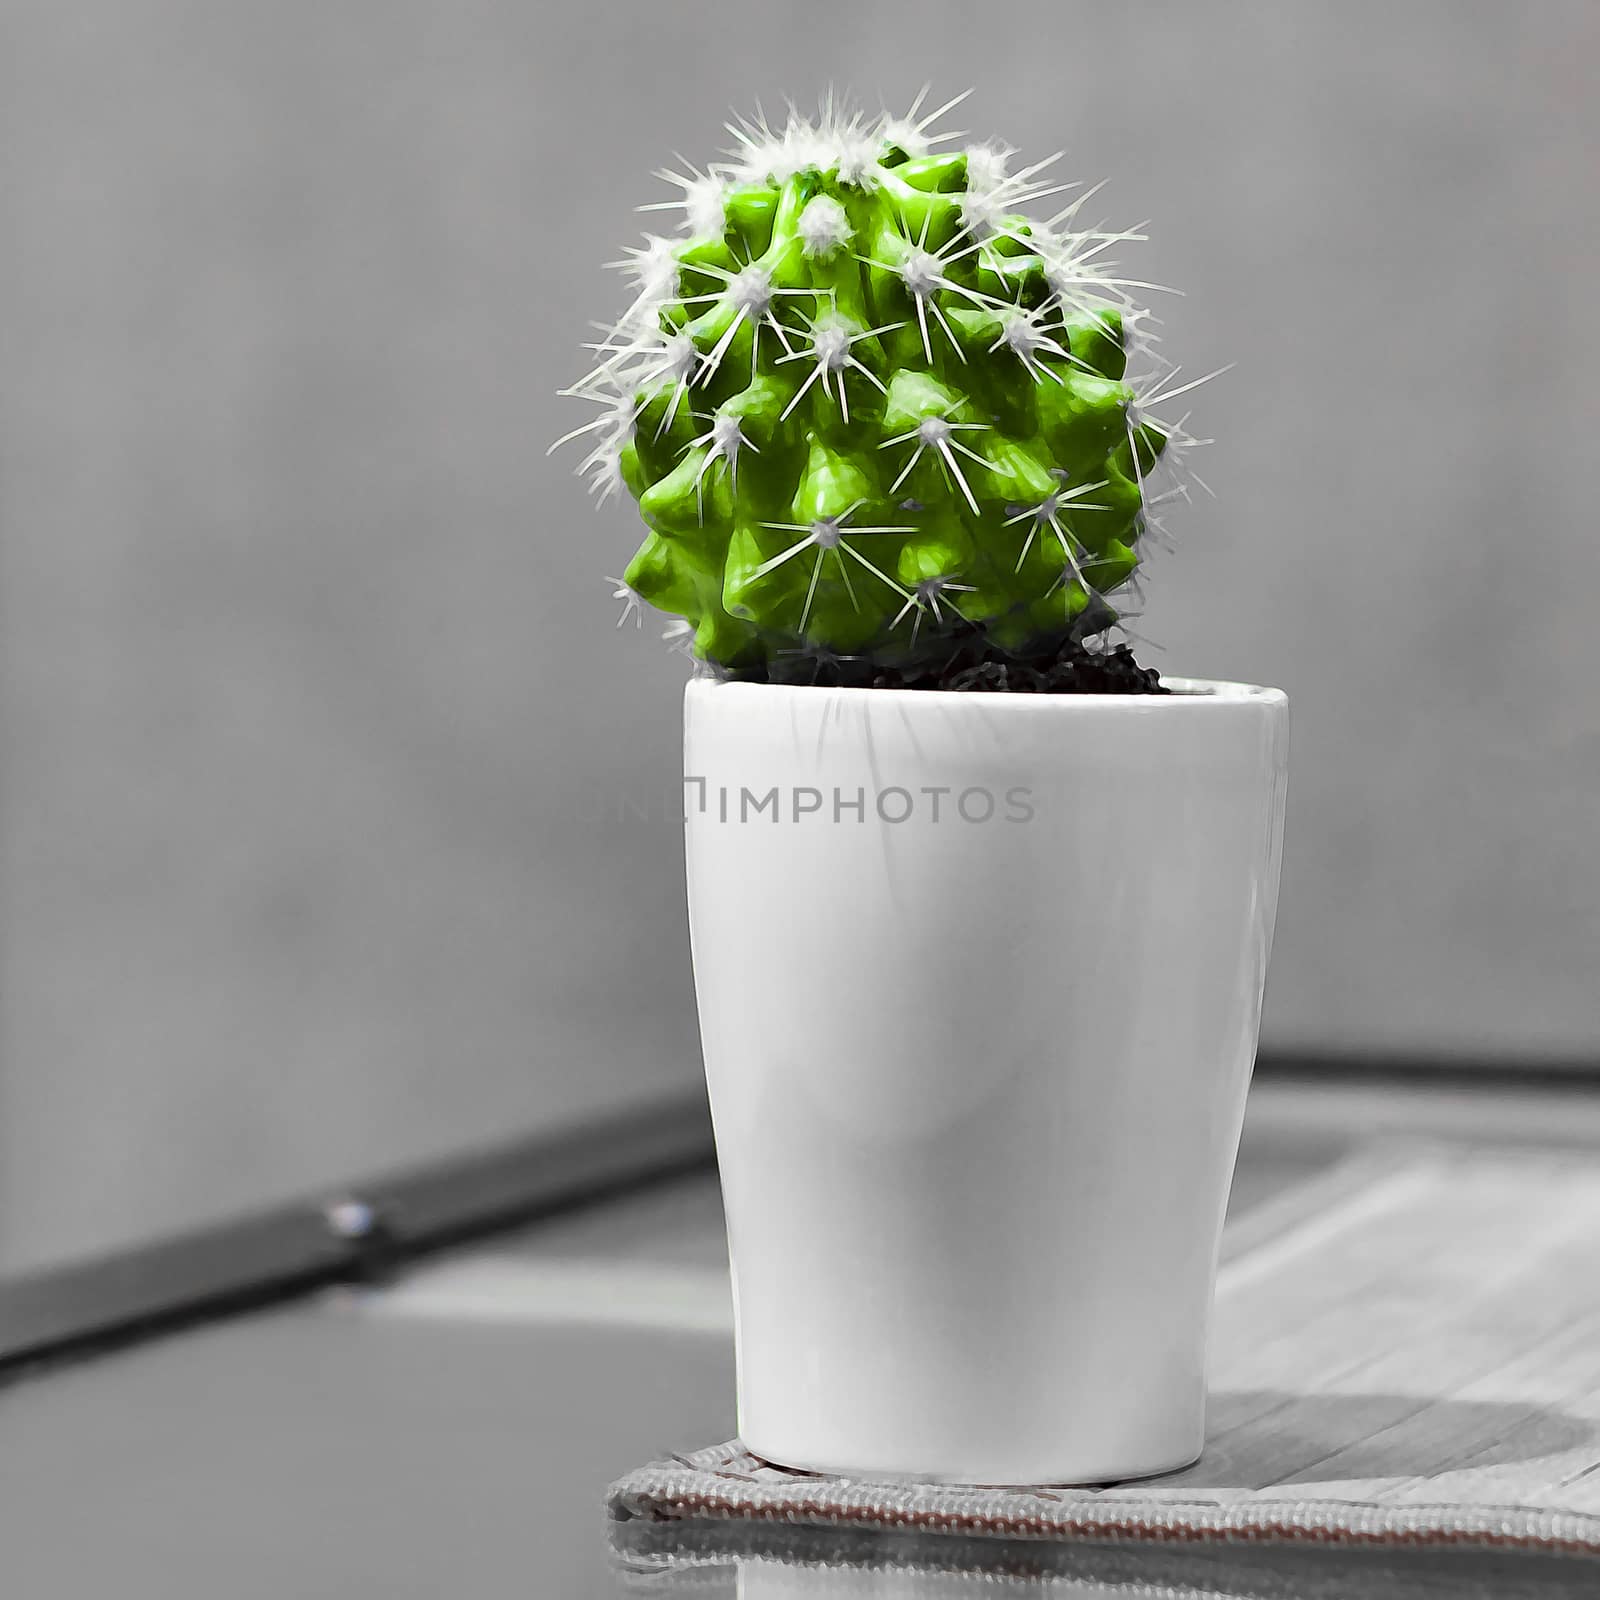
x: 1074, y: 670
x: 977, y: 665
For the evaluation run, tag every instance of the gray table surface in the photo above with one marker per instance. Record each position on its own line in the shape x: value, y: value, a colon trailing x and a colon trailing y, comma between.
x: 417, y: 1441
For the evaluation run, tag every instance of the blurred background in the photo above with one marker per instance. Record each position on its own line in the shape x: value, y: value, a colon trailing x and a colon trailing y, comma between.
x: 336, y: 820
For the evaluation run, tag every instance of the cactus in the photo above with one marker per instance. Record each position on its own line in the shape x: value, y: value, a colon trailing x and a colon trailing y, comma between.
x: 867, y: 406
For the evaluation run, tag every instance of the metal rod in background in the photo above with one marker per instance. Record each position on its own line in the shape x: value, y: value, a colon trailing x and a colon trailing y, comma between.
x: 346, y: 1236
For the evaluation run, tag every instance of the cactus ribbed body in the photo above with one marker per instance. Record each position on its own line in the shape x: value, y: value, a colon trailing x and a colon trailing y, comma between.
x: 866, y: 405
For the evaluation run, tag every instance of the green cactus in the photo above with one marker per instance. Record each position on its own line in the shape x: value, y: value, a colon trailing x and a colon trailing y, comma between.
x: 866, y: 405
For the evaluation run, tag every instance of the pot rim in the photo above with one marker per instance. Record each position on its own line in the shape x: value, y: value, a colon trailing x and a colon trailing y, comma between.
x: 1189, y: 693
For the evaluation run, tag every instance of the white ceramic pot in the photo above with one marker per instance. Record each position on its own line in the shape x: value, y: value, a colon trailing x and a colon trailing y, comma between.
x: 979, y: 980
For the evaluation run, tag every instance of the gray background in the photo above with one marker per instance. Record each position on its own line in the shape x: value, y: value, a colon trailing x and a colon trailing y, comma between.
x: 321, y: 767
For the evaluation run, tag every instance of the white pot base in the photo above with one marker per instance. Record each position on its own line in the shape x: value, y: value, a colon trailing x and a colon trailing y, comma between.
x: 1137, y: 1474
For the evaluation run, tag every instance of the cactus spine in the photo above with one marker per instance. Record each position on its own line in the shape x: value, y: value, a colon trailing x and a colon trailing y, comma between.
x: 866, y: 405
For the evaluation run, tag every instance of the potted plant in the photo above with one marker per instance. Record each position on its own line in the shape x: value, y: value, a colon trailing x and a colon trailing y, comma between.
x: 980, y: 908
